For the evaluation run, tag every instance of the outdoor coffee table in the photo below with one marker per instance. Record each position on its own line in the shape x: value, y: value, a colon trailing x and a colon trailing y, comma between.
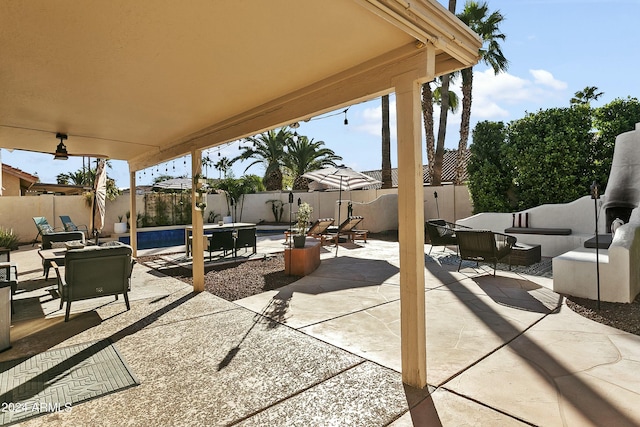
x: 525, y: 254
x: 49, y: 255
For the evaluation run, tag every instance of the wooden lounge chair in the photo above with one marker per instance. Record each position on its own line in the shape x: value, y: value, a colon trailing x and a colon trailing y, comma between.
x: 318, y: 229
x: 349, y: 230
x: 484, y: 245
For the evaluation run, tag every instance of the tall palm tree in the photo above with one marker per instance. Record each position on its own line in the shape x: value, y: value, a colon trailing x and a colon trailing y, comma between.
x: 268, y: 149
x: 436, y: 178
x: 223, y: 165
x: 429, y: 98
x: 427, y: 121
x: 476, y: 16
x: 306, y: 155
x: 386, y: 144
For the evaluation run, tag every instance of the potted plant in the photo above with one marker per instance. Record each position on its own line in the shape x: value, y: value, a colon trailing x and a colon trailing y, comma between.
x: 8, y: 239
x: 120, y: 227
x: 304, y: 214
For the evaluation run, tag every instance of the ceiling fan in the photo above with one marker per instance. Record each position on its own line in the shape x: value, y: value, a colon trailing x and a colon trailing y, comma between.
x: 61, y: 150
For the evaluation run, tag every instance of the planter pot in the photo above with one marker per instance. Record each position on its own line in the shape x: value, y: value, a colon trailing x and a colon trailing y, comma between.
x: 120, y: 227
x: 299, y: 241
x: 227, y: 219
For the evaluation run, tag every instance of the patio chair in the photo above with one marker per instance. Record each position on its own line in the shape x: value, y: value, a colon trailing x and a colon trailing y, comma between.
x: 318, y: 229
x: 220, y: 241
x: 484, y: 245
x: 93, y: 272
x: 246, y: 238
x: 43, y: 227
x: 70, y: 226
x: 348, y: 229
x: 8, y: 273
x: 442, y: 233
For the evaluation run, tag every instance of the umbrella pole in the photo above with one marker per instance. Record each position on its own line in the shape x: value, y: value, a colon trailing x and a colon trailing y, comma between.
x: 94, y: 232
x: 339, y: 209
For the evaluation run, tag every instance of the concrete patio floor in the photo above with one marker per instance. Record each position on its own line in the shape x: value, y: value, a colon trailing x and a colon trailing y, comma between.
x: 325, y: 350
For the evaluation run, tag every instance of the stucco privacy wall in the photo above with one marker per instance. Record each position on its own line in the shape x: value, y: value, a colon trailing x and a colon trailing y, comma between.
x: 578, y: 215
x: 453, y: 203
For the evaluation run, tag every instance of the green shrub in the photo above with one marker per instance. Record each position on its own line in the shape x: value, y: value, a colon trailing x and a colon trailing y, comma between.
x: 8, y: 239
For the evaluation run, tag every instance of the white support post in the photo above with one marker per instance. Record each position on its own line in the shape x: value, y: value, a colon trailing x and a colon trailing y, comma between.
x: 197, y: 242
x: 133, y: 219
x: 411, y: 230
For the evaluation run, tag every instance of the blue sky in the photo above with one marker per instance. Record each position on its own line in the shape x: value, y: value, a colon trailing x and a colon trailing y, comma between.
x: 554, y: 47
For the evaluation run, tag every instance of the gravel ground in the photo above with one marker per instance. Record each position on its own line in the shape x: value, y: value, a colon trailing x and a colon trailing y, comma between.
x: 237, y: 280
x: 625, y: 317
x: 243, y: 279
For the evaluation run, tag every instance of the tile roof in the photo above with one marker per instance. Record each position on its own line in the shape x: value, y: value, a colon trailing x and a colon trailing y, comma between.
x: 448, y: 170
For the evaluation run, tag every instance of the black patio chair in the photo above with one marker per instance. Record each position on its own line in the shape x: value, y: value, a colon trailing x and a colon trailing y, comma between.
x: 484, y: 245
x: 442, y: 233
x: 221, y: 241
x: 246, y: 239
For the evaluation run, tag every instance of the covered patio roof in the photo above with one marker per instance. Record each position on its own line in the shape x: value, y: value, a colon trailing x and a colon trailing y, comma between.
x: 148, y: 81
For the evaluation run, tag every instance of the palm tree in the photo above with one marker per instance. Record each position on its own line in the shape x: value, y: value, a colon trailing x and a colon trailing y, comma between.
x: 436, y: 178
x: 386, y: 144
x: 476, y: 16
x: 306, y: 155
x: 427, y: 120
x: 429, y: 98
x: 585, y: 96
x: 268, y: 149
x: 223, y: 165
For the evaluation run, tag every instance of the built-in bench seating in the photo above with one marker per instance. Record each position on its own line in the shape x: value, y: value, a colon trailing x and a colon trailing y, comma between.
x: 538, y: 230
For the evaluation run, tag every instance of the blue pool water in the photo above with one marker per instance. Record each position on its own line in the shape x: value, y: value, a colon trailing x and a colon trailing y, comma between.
x: 157, y: 238
x: 172, y: 237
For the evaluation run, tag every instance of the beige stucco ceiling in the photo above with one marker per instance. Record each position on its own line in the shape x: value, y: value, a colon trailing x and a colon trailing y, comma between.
x: 148, y: 80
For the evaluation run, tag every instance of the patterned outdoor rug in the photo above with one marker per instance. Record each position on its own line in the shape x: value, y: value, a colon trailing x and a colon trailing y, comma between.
x: 56, y: 380
x: 544, y: 268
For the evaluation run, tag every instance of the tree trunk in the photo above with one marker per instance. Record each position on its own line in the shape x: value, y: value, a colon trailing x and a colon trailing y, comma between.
x: 442, y: 126
x: 273, y: 181
x: 301, y: 183
x: 467, y: 84
x: 386, y: 145
x: 442, y: 131
x: 427, y: 118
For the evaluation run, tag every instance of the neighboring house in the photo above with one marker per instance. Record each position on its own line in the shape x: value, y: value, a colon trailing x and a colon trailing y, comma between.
x: 15, y: 182
x: 448, y: 170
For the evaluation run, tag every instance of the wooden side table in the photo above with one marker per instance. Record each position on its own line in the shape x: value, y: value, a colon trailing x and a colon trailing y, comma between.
x: 302, y: 261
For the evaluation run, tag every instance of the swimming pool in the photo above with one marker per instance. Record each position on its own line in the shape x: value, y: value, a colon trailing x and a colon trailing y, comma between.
x: 164, y: 237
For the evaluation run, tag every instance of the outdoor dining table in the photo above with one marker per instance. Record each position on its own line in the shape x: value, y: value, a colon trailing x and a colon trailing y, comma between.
x: 188, y: 230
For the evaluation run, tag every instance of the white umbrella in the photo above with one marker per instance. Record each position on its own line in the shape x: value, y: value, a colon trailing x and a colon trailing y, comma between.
x: 99, y: 199
x: 343, y: 178
x: 174, y: 184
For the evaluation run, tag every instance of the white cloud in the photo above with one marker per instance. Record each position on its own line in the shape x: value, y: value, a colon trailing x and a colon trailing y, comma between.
x: 545, y: 78
x: 370, y: 120
x: 495, y: 95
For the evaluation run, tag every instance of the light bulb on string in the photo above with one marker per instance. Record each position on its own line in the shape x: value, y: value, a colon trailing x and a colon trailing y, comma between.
x: 346, y: 122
